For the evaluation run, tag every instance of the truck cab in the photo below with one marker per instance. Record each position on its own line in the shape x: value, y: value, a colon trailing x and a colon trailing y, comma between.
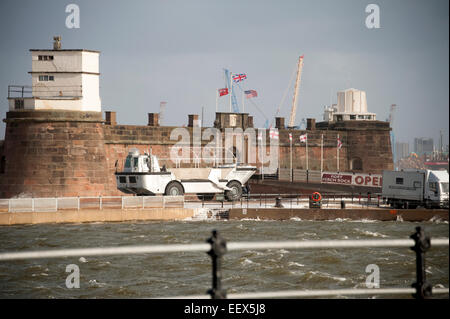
x: 436, y: 189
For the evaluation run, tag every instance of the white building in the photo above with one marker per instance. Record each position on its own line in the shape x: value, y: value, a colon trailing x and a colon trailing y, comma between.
x: 352, y: 105
x: 61, y: 80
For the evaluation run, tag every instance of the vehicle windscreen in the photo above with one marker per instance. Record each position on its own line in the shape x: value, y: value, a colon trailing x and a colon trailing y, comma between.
x: 128, y: 162
x: 444, y: 187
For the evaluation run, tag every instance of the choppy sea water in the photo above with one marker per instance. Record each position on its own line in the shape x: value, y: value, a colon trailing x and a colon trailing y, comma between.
x: 174, y: 274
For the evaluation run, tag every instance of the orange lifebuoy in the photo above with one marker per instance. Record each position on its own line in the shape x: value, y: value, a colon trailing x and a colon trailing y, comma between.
x: 316, y: 197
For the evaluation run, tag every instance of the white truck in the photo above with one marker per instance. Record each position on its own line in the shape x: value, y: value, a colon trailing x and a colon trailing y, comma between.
x: 142, y: 175
x: 412, y: 188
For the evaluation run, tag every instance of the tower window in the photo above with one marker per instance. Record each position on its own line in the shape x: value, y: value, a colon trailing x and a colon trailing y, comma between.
x: 45, y: 57
x: 46, y: 78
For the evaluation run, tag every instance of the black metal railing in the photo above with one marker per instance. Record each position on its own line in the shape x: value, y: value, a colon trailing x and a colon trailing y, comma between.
x: 19, y: 91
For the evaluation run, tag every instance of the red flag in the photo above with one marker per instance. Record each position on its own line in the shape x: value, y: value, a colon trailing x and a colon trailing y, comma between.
x: 223, y: 92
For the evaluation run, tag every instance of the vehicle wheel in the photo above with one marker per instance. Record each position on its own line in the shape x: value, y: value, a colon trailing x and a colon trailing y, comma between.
x: 236, y: 191
x: 206, y: 196
x: 174, y: 189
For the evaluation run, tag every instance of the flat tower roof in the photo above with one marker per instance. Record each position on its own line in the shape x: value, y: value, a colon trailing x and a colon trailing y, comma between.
x: 82, y: 50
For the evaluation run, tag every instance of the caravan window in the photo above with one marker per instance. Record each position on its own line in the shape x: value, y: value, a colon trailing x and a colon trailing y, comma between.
x: 399, y: 181
x: 444, y: 187
x: 136, y: 161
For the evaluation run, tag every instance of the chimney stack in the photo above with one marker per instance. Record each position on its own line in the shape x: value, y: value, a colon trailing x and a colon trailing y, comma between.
x: 311, y: 124
x: 110, y: 118
x: 250, y: 121
x: 279, y: 122
x: 153, y: 119
x: 193, y: 120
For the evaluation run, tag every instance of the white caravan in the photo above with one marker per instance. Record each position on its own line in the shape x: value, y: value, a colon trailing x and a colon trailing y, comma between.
x: 142, y: 175
x: 412, y: 188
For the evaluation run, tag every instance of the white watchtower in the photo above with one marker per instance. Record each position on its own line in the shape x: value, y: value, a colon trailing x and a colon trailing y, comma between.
x: 62, y: 79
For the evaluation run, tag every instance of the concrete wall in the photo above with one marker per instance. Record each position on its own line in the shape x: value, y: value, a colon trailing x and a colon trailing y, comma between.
x: 84, y: 216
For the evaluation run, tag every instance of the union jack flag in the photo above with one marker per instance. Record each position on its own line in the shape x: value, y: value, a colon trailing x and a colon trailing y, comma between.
x: 239, y: 77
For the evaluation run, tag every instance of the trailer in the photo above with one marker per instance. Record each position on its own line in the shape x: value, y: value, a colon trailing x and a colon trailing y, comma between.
x: 413, y: 188
x: 142, y: 175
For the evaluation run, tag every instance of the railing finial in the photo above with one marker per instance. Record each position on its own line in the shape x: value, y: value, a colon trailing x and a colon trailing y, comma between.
x: 218, y: 249
x: 422, y: 244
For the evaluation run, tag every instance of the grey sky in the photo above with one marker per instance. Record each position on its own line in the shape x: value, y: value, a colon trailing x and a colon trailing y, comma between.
x: 175, y: 51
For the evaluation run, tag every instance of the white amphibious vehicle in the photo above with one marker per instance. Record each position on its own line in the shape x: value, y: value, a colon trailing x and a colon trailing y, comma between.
x: 142, y: 175
x: 412, y: 188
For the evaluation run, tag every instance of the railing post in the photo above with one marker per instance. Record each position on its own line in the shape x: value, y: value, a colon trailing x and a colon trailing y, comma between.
x: 422, y: 244
x: 218, y: 249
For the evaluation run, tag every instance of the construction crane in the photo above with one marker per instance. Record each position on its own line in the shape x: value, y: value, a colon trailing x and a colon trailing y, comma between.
x: 391, y: 124
x: 297, y: 86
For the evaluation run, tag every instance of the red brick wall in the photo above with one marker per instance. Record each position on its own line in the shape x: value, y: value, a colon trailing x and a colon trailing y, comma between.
x: 52, y: 154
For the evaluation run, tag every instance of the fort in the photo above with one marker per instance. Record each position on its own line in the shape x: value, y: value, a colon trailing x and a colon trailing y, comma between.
x: 58, y: 143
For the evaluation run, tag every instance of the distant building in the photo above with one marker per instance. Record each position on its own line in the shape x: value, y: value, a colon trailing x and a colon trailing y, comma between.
x: 423, y: 145
x: 352, y: 105
x: 402, y: 149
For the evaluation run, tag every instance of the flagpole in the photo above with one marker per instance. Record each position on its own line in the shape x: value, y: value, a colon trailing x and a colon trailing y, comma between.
x: 217, y: 100
x: 263, y: 151
x: 337, y: 146
x: 290, y: 142
x: 243, y: 98
x: 321, y: 156
x: 231, y: 88
x: 307, y: 151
